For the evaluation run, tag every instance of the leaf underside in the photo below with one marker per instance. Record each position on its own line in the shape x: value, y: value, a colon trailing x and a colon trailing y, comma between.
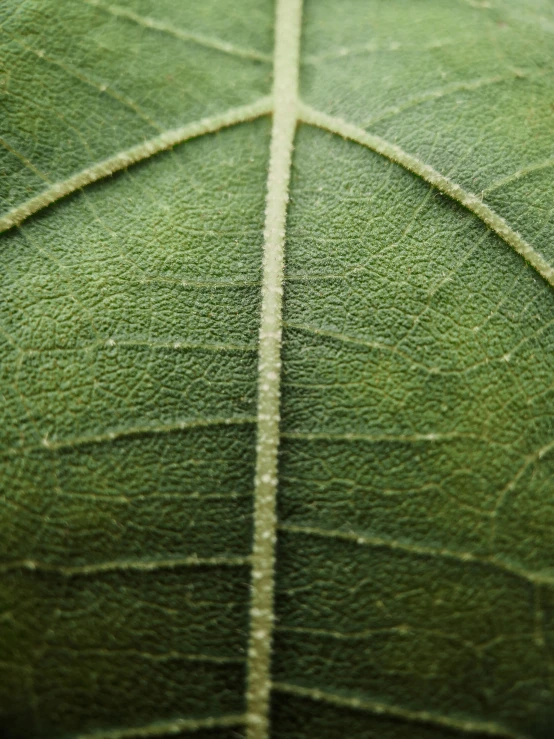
x: 414, y: 577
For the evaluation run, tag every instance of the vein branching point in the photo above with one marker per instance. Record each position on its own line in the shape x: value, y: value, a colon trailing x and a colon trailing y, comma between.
x: 286, y: 66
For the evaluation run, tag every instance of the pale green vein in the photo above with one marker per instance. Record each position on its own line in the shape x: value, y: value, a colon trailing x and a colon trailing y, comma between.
x: 341, y: 635
x: 120, y: 433
x: 442, y: 92
x: 111, y: 343
x: 163, y: 728
x: 536, y: 578
x: 372, y: 48
x: 347, y: 339
x: 135, y: 154
x: 402, y: 630
x: 285, y: 91
x: 376, y: 438
x: 208, y: 284
x: 386, y: 709
x: 123, y: 565
x: 519, y: 174
x: 197, y: 38
x: 508, y: 489
x: 161, y: 428
x: 132, y: 498
x: 100, y: 86
x: 470, y: 201
x: 22, y: 158
x: 171, y: 656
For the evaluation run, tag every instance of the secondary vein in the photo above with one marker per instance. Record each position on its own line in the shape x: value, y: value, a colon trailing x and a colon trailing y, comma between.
x: 377, y: 708
x: 285, y: 90
x: 155, y: 25
x: 138, y: 565
x: 124, y: 159
x: 164, y: 728
x: 469, y: 200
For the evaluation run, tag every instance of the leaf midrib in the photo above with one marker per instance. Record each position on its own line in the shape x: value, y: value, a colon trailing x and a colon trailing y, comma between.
x: 286, y: 73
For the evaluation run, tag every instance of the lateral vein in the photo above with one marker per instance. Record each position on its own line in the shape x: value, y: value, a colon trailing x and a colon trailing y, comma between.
x: 163, y: 728
x: 171, y: 656
x: 78, y: 74
x: 170, y: 427
x: 139, y: 565
x: 441, y: 92
x: 135, y: 154
x: 155, y: 25
x: 385, y: 709
x: 469, y: 200
x: 518, y: 175
x: 536, y: 578
x: 22, y: 158
x: 285, y: 91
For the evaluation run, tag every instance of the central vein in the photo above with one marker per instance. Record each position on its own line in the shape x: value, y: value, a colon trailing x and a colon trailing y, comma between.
x: 285, y: 91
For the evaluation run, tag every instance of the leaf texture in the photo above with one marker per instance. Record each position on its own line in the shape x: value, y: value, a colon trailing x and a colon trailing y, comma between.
x: 277, y: 384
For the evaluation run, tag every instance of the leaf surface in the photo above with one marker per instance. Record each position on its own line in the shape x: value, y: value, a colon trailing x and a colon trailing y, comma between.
x: 161, y: 574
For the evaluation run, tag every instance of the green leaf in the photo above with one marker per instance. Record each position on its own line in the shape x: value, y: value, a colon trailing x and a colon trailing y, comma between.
x: 277, y: 381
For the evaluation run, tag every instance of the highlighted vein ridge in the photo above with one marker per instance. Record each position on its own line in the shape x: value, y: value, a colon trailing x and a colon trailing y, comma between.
x: 155, y: 25
x: 286, y: 66
x: 469, y: 200
x: 124, y: 159
x: 482, y: 728
x: 164, y: 728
